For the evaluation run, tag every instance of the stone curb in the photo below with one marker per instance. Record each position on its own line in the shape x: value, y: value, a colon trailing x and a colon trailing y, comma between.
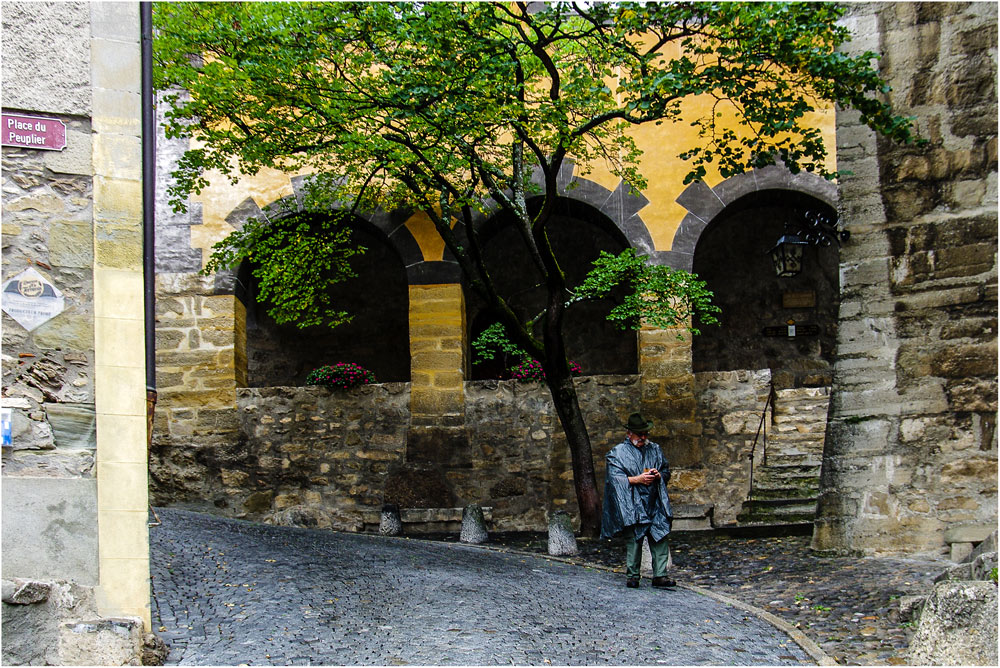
x: 808, y: 646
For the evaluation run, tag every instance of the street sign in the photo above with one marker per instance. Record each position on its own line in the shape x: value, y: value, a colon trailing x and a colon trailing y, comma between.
x: 47, y: 134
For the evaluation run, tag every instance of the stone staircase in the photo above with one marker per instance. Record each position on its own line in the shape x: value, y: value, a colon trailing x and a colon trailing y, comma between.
x: 786, y: 483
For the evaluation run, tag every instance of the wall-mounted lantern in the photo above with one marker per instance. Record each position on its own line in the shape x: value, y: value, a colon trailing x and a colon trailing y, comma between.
x: 811, y: 228
x: 787, y: 255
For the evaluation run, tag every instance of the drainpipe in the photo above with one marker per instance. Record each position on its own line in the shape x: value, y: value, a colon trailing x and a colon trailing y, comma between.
x: 148, y: 209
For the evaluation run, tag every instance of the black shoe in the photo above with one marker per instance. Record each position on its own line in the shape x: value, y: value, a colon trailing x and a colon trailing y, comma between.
x: 632, y: 583
x: 663, y: 582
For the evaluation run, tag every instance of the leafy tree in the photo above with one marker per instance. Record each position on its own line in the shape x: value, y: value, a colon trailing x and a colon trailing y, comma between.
x: 442, y: 106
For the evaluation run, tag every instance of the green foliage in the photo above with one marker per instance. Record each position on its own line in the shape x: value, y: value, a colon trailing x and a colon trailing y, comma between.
x: 295, y: 258
x: 342, y: 375
x: 492, y: 341
x: 405, y: 99
x: 993, y: 575
x: 660, y: 296
x: 443, y: 106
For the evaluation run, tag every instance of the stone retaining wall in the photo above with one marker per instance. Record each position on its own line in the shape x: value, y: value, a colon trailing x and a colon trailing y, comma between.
x: 330, y: 458
x: 341, y: 454
x: 326, y: 457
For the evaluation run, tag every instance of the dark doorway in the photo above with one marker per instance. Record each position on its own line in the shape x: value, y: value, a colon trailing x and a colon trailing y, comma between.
x: 732, y: 256
x: 578, y: 234
x: 377, y: 338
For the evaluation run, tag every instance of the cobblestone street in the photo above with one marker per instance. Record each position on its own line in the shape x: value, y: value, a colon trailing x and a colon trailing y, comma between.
x: 228, y: 592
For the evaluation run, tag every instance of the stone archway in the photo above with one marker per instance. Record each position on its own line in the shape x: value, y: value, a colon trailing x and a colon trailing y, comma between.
x: 704, y: 203
x: 727, y: 396
x: 578, y: 233
x: 732, y: 257
x: 377, y: 339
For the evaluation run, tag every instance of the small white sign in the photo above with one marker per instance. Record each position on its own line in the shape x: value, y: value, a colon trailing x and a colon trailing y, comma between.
x: 5, y: 427
x: 31, y: 299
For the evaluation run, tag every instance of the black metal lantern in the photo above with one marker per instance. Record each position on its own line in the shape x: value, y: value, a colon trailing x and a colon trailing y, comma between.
x: 787, y: 255
x: 808, y: 228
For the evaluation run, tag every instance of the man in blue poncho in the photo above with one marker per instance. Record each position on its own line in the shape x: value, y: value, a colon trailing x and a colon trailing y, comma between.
x: 635, y: 501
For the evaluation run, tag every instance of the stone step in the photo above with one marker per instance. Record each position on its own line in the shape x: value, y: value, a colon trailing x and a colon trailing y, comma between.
x: 692, y: 517
x: 804, y: 492
x: 793, y: 392
x: 779, y: 454
x: 784, y: 505
x: 800, y: 411
x: 782, y: 460
x: 773, y: 511
x: 810, y: 428
x: 791, y: 482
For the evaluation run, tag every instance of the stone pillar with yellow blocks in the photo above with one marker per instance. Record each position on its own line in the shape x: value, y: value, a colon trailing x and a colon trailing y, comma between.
x: 120, y: 372
x: 437, y: 373
x: 668, y: 393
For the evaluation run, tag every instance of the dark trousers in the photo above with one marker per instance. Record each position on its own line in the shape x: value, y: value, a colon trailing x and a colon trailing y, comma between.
x: 659, y: 550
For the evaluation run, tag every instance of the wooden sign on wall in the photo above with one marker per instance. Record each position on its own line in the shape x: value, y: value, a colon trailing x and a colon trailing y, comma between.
x: 802, y: 299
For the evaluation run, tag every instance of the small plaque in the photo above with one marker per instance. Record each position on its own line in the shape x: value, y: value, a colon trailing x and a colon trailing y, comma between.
x: 791, y: 331
x: 31, y: 300
x: 803, y: 299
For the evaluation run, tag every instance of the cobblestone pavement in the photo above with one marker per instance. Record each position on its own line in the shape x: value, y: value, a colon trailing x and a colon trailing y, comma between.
x: 849, y: 606
x: 228, y: 592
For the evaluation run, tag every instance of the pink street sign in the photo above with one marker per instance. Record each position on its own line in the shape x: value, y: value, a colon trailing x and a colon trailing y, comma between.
x: 48, y: 134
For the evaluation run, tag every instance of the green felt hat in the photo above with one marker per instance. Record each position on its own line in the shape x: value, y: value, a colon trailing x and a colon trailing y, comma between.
x: 638, y: 424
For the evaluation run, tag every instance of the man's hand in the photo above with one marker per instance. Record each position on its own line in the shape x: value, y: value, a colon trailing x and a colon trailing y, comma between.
x: 647, y: 478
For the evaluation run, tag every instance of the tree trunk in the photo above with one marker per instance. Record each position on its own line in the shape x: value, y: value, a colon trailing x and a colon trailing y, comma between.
x: 568, y: 408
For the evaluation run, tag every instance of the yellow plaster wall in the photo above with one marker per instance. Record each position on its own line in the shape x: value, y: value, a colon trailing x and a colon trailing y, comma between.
x: 119, y: 365
x: 659, y: 164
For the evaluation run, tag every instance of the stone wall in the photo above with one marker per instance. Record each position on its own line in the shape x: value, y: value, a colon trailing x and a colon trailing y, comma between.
x: 201, y: 360
x: 331, y: 458
x: 334, y: 457
x: 48, y: 372
x: 729, y: 410
x: 911, y: 448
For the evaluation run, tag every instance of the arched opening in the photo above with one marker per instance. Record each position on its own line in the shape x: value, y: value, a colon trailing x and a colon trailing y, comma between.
x: 732, y: 257
x: 578, y: 233
x: 377, y: 338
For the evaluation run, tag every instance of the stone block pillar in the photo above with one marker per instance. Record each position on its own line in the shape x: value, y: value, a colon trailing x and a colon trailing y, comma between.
x: 668, y: 394
x: 437, y: 372
x: 200, y: 361
x: 437, y: 353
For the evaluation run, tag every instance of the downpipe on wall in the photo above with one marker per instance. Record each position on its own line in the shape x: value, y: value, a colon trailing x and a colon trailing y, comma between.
x: 148, y: 213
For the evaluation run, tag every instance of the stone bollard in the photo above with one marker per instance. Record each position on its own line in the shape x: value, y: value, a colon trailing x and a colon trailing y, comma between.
x: 561, y: 539
x: 390, y: 523
x: 473, y: 525
x: 647, y: 558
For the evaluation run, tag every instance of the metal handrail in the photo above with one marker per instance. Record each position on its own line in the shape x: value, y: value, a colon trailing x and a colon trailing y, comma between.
x: 761, y: 429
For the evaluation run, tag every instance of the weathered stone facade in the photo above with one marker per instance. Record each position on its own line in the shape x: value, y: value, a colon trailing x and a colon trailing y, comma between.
x: 911, y: 448
x: 75, y: 498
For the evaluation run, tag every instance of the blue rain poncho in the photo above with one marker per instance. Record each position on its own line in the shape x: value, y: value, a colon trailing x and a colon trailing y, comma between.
x: 647, y: 509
